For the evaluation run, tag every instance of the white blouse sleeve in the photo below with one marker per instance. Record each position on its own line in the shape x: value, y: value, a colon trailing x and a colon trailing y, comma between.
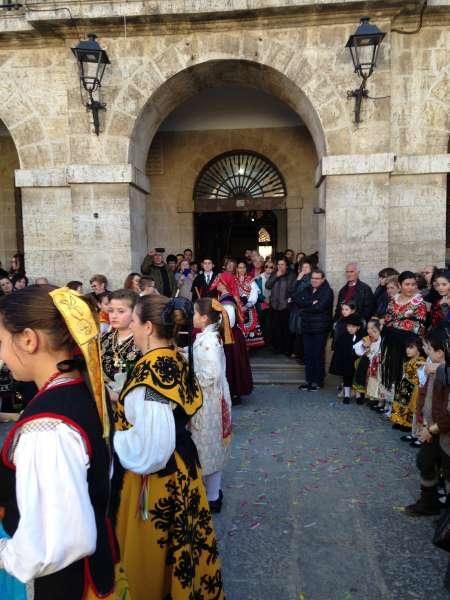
x: 422, y: 376
x: 147, y: 446
x: 231, y: 314
x: 253, y: 296
x: 57, y: 523
x: 359, y: 348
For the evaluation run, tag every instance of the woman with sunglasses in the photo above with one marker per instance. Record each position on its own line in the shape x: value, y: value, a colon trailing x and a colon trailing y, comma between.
x: 262, y: 305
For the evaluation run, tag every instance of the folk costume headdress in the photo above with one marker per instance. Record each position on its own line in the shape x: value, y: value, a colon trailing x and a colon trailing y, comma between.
x: 227, y: 333
x: 84, y: 329
x: 230, y: 282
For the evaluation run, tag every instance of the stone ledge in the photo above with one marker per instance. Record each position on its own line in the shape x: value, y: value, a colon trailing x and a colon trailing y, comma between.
x: 41, y: 177
x: 417, y: 164
x: 366, y: 164
x: 74, y: 174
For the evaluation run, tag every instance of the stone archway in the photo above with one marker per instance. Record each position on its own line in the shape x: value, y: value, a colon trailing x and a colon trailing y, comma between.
x: 186, y: 83
x: 193, y: 80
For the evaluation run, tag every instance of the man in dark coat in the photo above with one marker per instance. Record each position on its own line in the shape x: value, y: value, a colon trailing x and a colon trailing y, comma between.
x: 154, y: 266
x: 316, y: 309
x: 280, y: 283
x: 356, y: 291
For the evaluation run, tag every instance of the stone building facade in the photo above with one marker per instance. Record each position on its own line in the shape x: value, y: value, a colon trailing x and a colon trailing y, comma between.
x: 87, y: 199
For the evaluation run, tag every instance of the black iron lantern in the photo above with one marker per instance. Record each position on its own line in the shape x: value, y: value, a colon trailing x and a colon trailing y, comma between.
x: 364, y: 46
x: 92, y: 62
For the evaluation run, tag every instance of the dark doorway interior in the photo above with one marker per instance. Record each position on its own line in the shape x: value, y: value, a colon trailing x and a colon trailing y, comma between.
x: 219, y: 234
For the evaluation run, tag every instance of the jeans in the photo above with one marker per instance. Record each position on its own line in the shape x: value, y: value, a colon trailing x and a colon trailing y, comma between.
x: 314, y: 349
x: 281, y: 336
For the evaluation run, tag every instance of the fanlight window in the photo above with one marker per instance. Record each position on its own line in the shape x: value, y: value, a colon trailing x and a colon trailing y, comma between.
x: 263, y: 236
x: 240, y: 174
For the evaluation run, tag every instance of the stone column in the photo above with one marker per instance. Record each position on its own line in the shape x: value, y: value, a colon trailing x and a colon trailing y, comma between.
x: 84, y: 219
x: 8, y: 229
x: 381, y: 210
x: 417, y: 211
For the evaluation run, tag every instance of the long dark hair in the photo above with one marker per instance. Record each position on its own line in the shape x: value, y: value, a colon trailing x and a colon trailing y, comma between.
x: 33, y: 308
x: 171, y: 318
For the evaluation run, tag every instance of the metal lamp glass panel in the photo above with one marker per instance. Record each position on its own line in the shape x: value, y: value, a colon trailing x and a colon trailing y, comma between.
x: 92, y: 60
x: 364, y: 45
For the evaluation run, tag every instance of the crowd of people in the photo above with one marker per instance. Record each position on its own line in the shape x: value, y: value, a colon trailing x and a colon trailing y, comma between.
x: 140, y: 382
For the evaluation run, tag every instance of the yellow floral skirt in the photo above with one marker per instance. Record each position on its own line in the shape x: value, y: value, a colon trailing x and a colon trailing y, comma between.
x: 172, y: 554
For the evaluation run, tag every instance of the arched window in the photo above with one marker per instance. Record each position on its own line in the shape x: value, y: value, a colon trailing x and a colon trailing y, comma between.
x: 239, y: 174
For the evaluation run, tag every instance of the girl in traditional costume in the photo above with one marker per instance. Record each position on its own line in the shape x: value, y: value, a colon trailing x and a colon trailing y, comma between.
x: 211, y: 425
x: 55, y: 463
x: 248, y: 294
x: 119, y: 352
x: 164, y: 526
x: 369, y: 346
x: 239, y: 373
x: 407, y: 392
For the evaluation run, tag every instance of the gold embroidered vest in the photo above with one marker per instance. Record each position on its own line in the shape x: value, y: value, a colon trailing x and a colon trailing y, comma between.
x: 166, y: 372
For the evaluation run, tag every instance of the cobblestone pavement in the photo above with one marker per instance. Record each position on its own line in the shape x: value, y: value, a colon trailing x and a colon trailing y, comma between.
x: 312, y: 511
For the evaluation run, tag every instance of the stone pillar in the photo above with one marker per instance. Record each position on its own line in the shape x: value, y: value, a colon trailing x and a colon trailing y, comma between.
x: 417, y: 211
x: 8, y: 229
x: 84, y: 219
x: 381, y: 210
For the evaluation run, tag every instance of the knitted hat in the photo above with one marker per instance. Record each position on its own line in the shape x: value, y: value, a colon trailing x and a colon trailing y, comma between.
x: 353, y: 320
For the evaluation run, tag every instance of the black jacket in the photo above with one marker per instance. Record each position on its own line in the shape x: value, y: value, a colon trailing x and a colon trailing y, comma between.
x: 316, y: 308
x: 199, y: 287
x: 363, y: 299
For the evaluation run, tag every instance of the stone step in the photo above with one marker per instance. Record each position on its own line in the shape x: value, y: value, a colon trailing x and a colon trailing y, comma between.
x: 279, y: 376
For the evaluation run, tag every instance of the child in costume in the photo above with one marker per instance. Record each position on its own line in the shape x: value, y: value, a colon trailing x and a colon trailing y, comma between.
x: 369, y: 347
x: 119, y: 352
x: 164, y: 526
x: 407, y: 392
x: 343, y: 360
x: 55, y: 463
x: 211, y: 425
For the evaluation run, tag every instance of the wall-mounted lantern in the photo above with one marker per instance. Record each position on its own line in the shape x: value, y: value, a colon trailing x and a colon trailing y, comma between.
x: 92, y: 61
x: 363, y: 45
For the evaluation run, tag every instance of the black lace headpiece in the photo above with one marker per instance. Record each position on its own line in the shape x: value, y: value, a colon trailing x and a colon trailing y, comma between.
x: 187, y: 308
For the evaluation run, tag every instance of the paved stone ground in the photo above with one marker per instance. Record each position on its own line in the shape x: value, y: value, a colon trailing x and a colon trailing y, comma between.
x: 313, y: 497
x: 312, y: 511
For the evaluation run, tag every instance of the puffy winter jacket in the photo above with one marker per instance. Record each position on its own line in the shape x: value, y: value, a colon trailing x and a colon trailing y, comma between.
x: 316, y: 307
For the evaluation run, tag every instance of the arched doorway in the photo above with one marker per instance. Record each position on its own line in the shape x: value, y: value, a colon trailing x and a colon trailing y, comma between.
x: 236, y: 197
x: 11, y: 230
x: 216, y: 153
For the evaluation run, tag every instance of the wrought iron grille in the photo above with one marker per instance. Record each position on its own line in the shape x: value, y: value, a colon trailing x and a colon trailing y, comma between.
x: 239, y: 174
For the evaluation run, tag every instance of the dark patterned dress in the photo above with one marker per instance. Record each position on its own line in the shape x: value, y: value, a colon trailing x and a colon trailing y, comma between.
x: 164, y: 526
x: 118, y: 359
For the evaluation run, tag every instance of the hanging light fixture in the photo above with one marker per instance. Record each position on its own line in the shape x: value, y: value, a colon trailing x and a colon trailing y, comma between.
x: 92, y: 62
x: 364, y: 46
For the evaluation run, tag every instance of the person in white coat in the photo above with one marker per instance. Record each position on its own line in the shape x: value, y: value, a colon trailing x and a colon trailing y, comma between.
x: 211, y: 425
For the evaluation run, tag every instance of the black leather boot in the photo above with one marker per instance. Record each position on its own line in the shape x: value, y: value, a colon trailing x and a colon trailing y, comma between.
x: 427, y: 505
